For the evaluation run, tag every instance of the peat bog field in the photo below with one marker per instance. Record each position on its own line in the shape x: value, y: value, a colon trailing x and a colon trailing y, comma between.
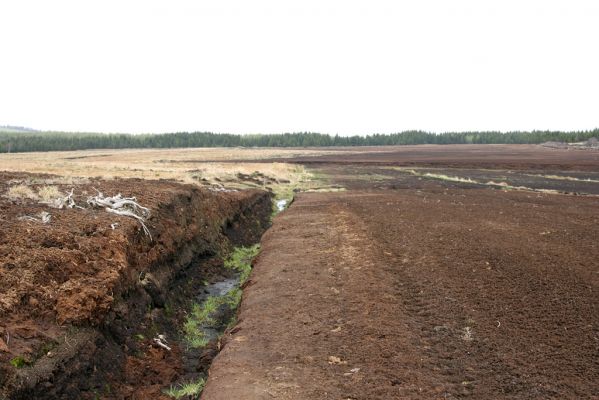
x: 435, y: 272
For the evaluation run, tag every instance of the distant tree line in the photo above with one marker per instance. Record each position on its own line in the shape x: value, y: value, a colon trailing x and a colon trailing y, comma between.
x: 55, y: 141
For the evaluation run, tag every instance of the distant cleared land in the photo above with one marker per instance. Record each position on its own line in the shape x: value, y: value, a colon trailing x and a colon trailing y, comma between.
x: 23, y: 140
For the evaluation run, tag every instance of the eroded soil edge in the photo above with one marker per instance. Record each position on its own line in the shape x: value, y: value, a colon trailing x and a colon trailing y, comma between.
x: 82, y: 302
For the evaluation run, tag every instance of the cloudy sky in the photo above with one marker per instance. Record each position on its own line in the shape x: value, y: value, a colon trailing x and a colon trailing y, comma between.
x: 333, y: 66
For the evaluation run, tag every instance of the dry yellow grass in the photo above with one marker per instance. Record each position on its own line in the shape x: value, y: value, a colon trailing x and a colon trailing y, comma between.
x: 21, y: 192
x: 48, y: 193
x: 184, y: 165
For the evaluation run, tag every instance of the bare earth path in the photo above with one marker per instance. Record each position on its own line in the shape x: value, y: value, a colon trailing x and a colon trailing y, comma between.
x: 436, y: 293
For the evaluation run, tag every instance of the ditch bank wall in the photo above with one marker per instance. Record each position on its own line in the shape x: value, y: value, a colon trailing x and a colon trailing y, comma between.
x: 83, y: 301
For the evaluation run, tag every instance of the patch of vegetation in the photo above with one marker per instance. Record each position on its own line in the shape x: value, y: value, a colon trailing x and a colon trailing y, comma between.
x: 18, y: 362
x: 438, y: 176
x: 202, y: 315
x: 191, y: 390
x: 297, y: 178
x: 199, y: 317
x: 240, y: 260
x: 498, y: 185
x: 194, y: 335
x: 326, y: 189
x: 449, y: 178
x: 233, y: 298
x: 49, y: 193
x: 565, y: 178
x: 21, y: 192
x: 232, y: 322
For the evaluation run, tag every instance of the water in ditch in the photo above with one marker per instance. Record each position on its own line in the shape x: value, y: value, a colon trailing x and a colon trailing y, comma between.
x: 282, y: 204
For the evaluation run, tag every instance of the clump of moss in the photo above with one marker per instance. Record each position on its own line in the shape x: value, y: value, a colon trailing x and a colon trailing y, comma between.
x: 18, y: 362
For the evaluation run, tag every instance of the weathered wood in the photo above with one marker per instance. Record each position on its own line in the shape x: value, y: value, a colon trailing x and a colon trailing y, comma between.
x: 123, y: 206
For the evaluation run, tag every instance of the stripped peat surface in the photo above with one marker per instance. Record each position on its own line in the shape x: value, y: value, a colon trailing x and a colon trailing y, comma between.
x: 407, y: 287
x: 513, y: 156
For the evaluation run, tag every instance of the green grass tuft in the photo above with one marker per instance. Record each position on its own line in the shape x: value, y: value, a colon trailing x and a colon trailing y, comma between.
x: 194, y: 335
x: 18, y: 362
x: 233, y: 298
x: 191, y: 389
x: 241, y: 261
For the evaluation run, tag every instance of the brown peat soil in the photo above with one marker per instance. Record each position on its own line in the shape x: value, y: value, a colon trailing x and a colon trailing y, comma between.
x: 83, y: 296
x: 432, y: 272
x: 497, y: 156
x: 408, y: 285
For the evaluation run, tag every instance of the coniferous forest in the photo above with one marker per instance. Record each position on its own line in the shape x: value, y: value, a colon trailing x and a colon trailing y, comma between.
x: 27, y: 141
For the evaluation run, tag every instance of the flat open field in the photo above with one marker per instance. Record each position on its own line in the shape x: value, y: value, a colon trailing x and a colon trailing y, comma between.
x: 432, y: 272
x: 476, y: 156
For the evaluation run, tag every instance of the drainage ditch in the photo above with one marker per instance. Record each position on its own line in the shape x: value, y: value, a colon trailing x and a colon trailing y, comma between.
x: 170, y: 306
x: 212, y: 312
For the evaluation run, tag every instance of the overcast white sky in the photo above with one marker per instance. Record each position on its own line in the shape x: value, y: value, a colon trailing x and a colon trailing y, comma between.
x: 347, y: 67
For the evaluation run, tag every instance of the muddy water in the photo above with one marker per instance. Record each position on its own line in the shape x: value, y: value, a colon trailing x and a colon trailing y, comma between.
x: 196, y: 361
x: 221, y: 288
x: 224, y: 314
